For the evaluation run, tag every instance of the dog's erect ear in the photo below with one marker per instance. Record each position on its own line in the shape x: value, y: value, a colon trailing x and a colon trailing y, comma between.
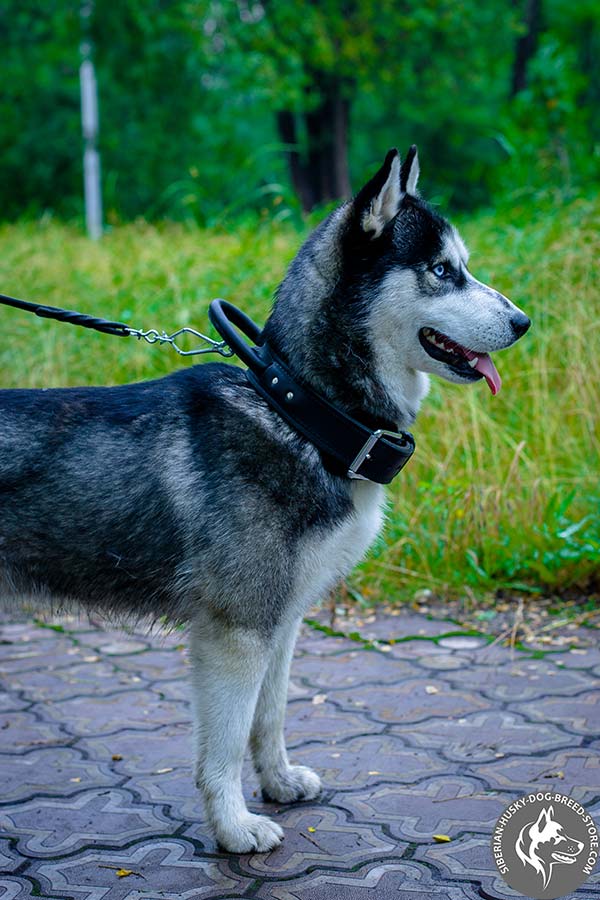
x: 543, y: 819
x: 409, y: 174
x: 379, y: 200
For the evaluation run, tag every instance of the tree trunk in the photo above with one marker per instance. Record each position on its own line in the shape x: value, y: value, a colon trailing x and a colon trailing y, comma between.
x: 286, y: 125
x: 319, y: 169
x: 526, y: 45
x: 588, y: 41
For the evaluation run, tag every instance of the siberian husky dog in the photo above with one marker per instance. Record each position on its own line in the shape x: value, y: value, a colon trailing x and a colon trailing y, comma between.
x: 189, y: 497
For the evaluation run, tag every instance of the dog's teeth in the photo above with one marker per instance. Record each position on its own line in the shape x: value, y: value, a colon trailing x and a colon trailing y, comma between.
x: 473, y: 362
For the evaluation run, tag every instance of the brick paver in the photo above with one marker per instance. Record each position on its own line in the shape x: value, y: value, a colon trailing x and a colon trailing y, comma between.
x: 416, y: 730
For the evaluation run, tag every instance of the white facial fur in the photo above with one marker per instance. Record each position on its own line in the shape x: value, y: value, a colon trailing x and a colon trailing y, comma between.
x: 474, y: 315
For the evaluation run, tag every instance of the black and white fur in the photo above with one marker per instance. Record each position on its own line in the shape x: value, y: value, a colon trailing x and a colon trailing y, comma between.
x: 188, y: 497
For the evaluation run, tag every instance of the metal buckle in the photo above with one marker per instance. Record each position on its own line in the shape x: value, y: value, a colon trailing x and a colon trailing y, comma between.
x: 364, y: 452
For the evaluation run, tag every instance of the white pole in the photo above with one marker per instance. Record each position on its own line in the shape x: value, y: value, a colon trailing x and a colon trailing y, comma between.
x: 89, y: 125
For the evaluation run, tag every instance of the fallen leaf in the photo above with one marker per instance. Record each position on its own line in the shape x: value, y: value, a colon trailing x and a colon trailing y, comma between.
x: 441, y: 838
x: 374, y: 772
x: 76, y: 780
x: 431, y: 689
x: 116, y: 757
x: 311, y: 829
x: 163, y: 771
x: 318, y: 699
x: 122, y: 873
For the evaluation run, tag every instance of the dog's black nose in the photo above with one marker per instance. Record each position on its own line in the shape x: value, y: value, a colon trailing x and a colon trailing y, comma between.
x: 520, y: 323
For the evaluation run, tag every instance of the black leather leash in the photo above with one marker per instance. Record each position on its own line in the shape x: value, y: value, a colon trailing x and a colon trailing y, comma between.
x: 68, y: 315
x: 119, y: 329
x: 360, y: 452
x: 356, y: 450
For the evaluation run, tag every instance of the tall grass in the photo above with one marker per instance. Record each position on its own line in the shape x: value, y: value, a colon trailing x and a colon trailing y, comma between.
x: 502, y: 492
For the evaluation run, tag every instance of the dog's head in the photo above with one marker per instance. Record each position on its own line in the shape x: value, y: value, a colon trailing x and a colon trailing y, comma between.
x: 428, y: 308
x: 544, y: 843
x: 380, y: 294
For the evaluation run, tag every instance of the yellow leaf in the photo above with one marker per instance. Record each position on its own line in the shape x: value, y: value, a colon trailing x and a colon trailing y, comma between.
x: 311, y: 829
x: 122, y: 873
x: 441, y: 838
x: 116, y: 757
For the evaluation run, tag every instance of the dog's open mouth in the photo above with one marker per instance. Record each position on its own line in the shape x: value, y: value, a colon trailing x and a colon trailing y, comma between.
x: 465, y: 362
x: 563, y: 857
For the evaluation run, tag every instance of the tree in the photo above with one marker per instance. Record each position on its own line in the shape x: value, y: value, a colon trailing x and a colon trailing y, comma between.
x: 526, y: 44
x: 212, y: 105
x: 316, y: 61
x: 40, y: 128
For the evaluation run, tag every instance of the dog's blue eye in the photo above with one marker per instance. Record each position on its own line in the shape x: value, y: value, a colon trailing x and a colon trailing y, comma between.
x: 440, y: 270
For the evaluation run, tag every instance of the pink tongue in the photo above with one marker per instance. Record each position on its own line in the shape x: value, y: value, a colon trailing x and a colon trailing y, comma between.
x: 489, y: 372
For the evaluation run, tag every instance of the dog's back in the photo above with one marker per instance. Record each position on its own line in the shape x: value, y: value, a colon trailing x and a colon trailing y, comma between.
x: 148, y: 498
x: 72, y: 463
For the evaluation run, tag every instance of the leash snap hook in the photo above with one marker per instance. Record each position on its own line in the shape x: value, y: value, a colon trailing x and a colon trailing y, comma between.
x: 152, y: 336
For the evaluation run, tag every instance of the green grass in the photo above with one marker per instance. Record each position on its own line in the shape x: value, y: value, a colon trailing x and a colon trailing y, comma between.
x: 502, y: 492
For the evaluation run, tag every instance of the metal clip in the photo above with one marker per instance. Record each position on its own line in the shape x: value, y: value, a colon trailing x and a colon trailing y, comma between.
x: 152, y: 336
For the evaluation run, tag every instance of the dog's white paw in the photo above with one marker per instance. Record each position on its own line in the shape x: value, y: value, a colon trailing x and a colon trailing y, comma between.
x: 248, y: 834
x: 293, y: 783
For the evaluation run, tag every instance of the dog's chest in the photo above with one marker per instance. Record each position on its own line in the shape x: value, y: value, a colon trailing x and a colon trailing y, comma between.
x: 324, y: 559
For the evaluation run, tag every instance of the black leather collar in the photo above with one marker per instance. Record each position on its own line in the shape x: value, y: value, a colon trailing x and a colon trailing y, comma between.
x: 355, y: 450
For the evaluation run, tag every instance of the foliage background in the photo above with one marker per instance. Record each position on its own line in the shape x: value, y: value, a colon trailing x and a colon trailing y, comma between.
x: 192, y: 93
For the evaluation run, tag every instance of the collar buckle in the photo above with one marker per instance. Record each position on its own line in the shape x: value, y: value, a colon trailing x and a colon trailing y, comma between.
x: 365, y: 451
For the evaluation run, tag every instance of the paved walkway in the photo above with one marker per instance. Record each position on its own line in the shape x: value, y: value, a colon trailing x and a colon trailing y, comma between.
x: 434, y: 733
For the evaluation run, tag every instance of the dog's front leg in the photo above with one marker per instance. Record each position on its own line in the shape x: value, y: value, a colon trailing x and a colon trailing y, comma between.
x: 279, y: 780
x: 228, y: 666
